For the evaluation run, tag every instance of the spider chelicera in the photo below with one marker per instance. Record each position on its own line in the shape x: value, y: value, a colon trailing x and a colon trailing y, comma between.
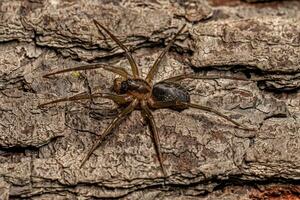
x: 131, y: 92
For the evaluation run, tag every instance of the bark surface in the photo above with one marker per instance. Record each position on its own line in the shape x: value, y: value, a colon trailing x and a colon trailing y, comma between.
x: 205, y: 157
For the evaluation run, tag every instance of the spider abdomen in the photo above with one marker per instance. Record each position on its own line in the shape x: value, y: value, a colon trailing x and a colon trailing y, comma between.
x: 170, y: 92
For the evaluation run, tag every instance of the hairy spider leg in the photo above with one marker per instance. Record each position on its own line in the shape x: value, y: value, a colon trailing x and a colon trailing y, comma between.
x: 208, y: 109
x: 198, y: 76
x: 158, y: 105
x: 117, y: 70
x: 162, y: 104
x: 119, y: 99
x: 110, y: 127
x: 153, y: 129
x: 154, y: 68
x: 134, y: 68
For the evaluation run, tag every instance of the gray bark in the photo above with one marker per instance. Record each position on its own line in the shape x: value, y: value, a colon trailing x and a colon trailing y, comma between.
x: 206, y: 157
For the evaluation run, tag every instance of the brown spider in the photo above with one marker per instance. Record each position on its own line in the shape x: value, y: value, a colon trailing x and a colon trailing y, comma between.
x: 132, y: 92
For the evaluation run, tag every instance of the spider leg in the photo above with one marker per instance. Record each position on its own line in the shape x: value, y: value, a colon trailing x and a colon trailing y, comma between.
x: 160, y: 104
x: 119, y: 99
x: 197, y: 76
x: 213, y: 77
x: 184, y: 105
x: 208, y: 109
x: 154, y: 68
x: 115, y: 122
x: 150, y: 118
x: 117, y: 70
x: 133, y: 65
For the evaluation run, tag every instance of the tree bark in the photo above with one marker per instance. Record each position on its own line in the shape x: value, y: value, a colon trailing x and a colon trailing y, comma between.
x: 205, y: 156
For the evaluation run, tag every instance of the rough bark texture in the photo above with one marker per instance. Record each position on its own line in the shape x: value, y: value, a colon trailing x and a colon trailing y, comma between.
x: 205, y: 156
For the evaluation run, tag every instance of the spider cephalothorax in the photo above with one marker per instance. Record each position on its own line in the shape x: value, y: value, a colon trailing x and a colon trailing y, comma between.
x: 132, y: 86
x: 132, y: 92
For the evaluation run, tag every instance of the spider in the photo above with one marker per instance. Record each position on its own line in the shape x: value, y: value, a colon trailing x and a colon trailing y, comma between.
x: 132, y: 92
